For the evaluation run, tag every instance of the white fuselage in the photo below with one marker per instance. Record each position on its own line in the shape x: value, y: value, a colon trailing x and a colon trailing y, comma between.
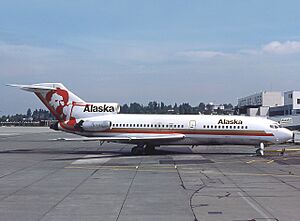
x: 102, y: 122
x: 197, y: 129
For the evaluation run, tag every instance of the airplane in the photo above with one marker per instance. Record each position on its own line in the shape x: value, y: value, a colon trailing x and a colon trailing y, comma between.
x: 103, y: 122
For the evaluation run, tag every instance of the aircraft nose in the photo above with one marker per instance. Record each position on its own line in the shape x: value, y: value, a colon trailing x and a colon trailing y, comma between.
x: 287, y: 134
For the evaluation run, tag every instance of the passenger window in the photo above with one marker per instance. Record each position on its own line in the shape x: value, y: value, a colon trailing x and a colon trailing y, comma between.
x: 242, y: 127
x: 246, y: 127
x: 203, y: 126
x: 167, y: 125
x: 230, y: 127
x: 226, y: 127
x: 223, y: 126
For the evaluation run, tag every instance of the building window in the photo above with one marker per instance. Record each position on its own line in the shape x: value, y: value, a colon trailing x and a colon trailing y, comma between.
x: 298, y: 101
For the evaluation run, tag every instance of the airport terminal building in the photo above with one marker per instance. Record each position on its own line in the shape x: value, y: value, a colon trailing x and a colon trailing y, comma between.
x: 281, y: 107
x: 258, y: 104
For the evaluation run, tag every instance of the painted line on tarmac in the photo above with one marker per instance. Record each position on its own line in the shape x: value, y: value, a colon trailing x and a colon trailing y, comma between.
x: 125, y: 168
x: 253, y: 174
x: 263, y: 214
x: 93, y: 159
x: 173, y: 169
x: 8, y: 134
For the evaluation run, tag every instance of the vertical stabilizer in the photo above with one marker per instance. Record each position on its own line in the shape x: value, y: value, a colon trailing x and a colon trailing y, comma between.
x: 57, y: 98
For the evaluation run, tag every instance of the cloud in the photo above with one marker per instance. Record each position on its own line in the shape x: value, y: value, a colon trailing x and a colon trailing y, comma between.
x: 276, y: 47
x: 272, y: 48
x: 204, y: 54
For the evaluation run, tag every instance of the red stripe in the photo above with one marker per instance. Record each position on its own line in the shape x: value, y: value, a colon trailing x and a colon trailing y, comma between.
x: 204, y: 132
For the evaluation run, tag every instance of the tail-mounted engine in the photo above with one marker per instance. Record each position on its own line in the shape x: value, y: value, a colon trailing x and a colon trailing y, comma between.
x: 93, y: 125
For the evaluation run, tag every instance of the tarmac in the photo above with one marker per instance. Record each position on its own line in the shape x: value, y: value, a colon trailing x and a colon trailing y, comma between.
x: 42, y: 179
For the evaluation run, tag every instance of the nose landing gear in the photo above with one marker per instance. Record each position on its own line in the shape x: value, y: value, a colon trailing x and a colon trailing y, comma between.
x: 143, y: 149
x: 260, y: 150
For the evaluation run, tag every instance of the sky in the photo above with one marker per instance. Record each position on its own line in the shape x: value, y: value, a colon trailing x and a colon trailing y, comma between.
x: 139, y: 51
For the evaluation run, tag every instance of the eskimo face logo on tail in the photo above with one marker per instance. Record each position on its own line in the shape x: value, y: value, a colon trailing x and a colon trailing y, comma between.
x: 59, y: 100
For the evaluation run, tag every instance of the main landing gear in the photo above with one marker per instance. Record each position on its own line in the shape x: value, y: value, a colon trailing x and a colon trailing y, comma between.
x: 260, y: 150
x: 143, y: 149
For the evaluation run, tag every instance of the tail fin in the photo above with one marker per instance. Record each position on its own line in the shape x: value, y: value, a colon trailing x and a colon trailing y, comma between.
x: 56, y: 97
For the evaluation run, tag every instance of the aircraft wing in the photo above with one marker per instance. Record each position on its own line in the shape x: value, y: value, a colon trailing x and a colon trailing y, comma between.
x: 127, y: 138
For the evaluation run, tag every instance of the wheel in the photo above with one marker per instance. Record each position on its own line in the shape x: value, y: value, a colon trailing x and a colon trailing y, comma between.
x: 136, y: 150
x: 259, y: 152
x: 149, y: 149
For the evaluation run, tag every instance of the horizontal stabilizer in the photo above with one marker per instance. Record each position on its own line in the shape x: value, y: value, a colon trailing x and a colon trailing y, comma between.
x: 32, y: 88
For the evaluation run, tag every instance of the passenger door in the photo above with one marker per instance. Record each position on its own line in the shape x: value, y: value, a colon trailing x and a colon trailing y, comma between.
x: 192, y: 124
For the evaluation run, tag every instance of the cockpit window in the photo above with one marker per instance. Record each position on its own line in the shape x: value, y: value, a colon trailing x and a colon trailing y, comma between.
x: 274, y: 126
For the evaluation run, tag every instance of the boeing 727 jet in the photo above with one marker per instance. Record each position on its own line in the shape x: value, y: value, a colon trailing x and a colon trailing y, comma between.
x: 103, y: 122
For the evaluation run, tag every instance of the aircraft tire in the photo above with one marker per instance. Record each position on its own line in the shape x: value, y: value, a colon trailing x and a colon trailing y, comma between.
x: 137, y: 151
x: 149, y: 149
x: 259, y: 152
